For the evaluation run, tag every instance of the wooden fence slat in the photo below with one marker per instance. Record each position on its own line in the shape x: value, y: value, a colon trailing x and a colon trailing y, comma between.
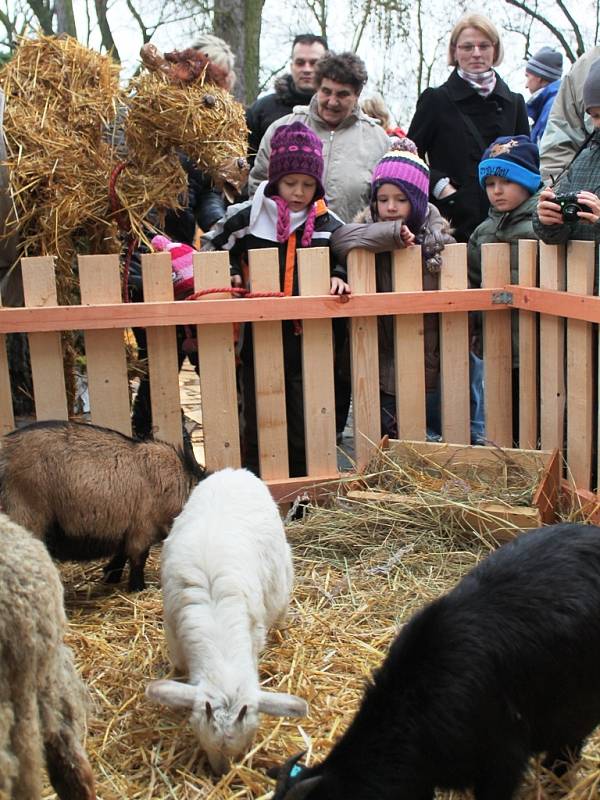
x: 269, y: 373
x: 528, y: 344
x: 364, y: 359
x: 163, y: 363
x: 45, y: 349
x: 454, y: 352
x: 409, y: 347
x: 216, y: 354
x: 108, y: 385
x: 580, y: 368
x: 552, y: 353
x: 7, y: 419
x: 317, y: 367
x: 495, y: 271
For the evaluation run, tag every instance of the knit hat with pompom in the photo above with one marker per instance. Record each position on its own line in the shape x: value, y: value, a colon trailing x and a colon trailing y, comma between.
x: 402, y: 167
x: 181, y: 264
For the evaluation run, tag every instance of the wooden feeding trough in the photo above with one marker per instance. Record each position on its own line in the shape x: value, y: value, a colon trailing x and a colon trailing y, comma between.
x: 498, y: 491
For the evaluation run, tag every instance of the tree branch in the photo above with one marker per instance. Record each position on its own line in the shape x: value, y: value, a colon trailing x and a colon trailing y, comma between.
x: 547, y: 24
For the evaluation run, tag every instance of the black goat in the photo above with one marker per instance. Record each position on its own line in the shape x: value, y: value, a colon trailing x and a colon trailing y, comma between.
x: 504, y: 666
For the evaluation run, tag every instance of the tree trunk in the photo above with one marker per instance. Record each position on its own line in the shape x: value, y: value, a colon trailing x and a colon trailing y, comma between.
x: 238, y: 22
x: 65, y: 18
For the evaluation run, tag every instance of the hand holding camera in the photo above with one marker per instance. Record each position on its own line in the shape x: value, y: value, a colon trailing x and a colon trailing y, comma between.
x: 568, y: 207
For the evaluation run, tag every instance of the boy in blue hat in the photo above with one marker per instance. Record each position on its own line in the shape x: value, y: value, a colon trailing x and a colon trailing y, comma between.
x: 509, y: 172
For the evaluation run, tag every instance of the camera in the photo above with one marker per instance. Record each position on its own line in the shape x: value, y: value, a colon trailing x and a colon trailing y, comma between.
x: 569, y: 206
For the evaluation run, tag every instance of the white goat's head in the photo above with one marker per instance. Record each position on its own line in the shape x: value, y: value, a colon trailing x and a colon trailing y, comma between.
x: 224, y: 727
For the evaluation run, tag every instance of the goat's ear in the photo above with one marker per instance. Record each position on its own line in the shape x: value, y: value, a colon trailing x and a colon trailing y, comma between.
x: 171, y: 693
x: 242, y: 713
x: 279, y: 704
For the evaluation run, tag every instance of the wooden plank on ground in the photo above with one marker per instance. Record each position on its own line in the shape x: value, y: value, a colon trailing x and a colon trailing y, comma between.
x: 528, y: 343
x: 7, y: 419
x: 269, y: 372
x: 216, y: 354
x: 497, y: 349
x: 454, y: 351
x: 317, y: 367
x: 442, y: 454
x: 45, y: 349
x: 163, y: 363
x: 409, y: 345
x: 552, y: 352
x: 108, y: 386
x: 580, y: 368
x: 364, y: 360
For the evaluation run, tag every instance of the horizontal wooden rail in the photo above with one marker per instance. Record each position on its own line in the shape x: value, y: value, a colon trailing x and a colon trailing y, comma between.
x: 126, y: 315
x: 554, y: 303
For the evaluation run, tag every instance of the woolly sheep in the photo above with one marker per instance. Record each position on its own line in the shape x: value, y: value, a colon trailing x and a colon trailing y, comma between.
x: 226, y: 576
x: 42, y: 700
x: 504, y: 666
x: 89, y: 492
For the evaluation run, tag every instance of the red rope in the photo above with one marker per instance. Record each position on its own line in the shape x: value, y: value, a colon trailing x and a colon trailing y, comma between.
x: 234, y: 290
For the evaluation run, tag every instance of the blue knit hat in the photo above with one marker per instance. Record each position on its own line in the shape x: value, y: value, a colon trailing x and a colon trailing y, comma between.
x: 514, y: 158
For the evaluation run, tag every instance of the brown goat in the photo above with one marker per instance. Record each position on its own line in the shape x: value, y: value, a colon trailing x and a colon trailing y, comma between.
x: 89, y: 492
x: 42, y: 699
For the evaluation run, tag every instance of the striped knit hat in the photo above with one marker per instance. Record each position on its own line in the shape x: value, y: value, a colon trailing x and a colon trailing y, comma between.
x: 402, y: 167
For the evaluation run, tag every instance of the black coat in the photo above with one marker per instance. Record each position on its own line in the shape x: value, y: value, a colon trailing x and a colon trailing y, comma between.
x: 442, y: 136
x: 273, y: 106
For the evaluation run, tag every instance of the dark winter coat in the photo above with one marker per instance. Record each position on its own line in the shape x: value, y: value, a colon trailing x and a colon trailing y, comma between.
x: 272, y: 106
x: 381, y: 238
x: 445, y: 140
x: 583, y: 174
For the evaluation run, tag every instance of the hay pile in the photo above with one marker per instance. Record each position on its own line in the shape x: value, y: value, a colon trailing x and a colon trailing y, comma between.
x: 359, y: 574
x: 76, y: 177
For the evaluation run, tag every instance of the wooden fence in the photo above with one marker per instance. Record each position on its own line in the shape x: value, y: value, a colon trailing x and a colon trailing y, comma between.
x: 557, y: 351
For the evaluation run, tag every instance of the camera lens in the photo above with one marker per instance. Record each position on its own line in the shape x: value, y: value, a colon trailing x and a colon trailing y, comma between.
x: 569, y: 212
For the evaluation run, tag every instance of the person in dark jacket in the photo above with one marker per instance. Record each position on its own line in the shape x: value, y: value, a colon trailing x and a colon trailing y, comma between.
x: 455, y: 122
x: 293, y: 89
x: 287, y: 212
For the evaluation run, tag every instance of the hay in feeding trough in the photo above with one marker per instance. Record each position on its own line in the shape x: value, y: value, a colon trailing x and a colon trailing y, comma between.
x: 359, y: 575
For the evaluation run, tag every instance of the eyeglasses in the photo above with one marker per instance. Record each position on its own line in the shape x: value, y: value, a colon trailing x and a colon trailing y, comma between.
x: 468, y: 48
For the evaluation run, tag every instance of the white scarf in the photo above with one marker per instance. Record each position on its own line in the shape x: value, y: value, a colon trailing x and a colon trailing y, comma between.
x: 484, y: 83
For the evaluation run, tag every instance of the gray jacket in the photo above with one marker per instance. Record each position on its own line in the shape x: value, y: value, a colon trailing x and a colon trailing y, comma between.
x: 350, y: 152
x: 568, y: 124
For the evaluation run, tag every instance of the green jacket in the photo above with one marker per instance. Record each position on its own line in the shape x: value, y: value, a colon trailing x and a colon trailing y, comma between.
x: 501, y: 227
x: 584, y: 173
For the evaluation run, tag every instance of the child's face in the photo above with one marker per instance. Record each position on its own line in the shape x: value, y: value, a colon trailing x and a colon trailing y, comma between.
x: 297, y: 190
x: 392, y: 203
x: 505, y: 195
x: 594, y: 112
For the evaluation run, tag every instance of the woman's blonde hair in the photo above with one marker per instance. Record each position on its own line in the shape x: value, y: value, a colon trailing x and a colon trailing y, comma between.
x: 218, y: 51
x: 482, y: 24
x: 374, y: 106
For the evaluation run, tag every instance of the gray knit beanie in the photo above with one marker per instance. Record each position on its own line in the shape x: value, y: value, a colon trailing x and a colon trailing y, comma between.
x: 546, y: 63
x: 591, y: 86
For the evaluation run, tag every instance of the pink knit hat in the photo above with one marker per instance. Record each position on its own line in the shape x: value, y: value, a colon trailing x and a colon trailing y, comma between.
x: 402, y: 167
x: 295, y: 149
x: 181, y: 264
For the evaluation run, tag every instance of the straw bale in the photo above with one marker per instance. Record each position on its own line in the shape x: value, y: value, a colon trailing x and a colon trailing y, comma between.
x: 360, y: 573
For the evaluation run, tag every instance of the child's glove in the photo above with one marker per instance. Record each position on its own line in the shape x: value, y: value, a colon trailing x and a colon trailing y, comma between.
x: 182, y: 269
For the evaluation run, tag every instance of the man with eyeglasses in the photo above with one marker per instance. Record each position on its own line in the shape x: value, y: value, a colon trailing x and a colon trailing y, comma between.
x: 454, y: 123
x: 295, y: 88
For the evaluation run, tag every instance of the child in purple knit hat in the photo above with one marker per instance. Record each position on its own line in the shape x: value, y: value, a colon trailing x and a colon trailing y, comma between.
x: 399, y: 215
x: 287, y: 212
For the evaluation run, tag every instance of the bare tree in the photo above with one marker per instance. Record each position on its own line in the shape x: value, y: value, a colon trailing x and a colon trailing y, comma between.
x: 239, y: 23
x: 568, y: 34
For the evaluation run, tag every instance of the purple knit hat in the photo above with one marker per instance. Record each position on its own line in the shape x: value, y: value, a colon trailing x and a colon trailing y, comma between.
x: 295, y: 148
x: 402, y: 167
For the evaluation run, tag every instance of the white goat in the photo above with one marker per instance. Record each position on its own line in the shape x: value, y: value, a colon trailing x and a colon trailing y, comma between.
x: 226, y: 576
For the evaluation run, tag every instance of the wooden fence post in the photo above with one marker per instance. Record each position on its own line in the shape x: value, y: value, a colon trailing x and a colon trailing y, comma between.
x: 108, y: 385
x: 364, y: 357
x: 497, y: 344
x: 454, y: 351
x: 216, y: 354
x: 269, y: 375
x: 580, y: 368
x: 163, y: 363
x: 528, y: 351
x: 317, y: 368
x: 45, y: 349
x: 552, y: 352
x: 409, y: 349
x: 7, y: 419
